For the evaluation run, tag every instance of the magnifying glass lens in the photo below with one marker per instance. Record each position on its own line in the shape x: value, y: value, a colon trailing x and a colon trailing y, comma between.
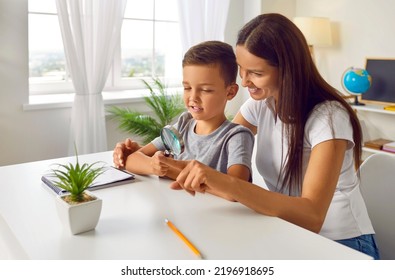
x: 172, y: 140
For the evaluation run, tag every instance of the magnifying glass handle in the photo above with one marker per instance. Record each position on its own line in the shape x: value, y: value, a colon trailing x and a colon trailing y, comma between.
x: 167, y: 153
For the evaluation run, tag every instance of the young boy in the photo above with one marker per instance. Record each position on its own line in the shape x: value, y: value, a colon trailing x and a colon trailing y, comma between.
x: 209, y: 81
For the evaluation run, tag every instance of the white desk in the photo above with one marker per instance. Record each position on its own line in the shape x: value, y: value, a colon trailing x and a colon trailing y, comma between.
x: 132, y: 224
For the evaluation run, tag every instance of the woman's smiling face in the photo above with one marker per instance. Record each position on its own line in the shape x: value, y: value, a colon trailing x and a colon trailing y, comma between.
x: 257, y: 74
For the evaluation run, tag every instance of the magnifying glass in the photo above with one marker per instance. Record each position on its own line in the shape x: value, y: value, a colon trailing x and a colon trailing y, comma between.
x: 172, y: 140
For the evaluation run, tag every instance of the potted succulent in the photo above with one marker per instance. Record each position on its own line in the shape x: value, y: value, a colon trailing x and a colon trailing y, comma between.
x: 78, y: 209
x: 165, y: 107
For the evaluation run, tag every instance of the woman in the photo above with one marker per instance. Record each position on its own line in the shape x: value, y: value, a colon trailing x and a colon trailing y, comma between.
x: 308, y: 140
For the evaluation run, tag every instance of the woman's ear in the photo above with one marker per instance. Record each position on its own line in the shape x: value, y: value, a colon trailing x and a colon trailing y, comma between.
x: 232, y: 91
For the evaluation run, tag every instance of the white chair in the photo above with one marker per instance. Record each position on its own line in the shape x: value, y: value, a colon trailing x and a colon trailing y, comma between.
x: 378, y: 190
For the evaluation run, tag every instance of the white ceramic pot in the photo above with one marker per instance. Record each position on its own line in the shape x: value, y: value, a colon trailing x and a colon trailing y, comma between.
x: 80, y: 217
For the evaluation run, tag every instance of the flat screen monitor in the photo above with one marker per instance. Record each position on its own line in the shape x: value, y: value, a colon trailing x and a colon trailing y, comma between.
x: 382, y: 72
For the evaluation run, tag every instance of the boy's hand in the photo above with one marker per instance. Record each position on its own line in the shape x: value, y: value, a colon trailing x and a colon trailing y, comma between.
x: 122, y: 150
x: 159, y: 167
x: 172, y: 166
x: 163, y: 165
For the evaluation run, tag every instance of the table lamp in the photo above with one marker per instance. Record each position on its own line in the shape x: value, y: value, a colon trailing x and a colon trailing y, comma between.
x: 317, y: 31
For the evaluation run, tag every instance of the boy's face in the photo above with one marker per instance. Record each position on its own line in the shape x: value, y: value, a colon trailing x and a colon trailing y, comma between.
x: 205, y: 93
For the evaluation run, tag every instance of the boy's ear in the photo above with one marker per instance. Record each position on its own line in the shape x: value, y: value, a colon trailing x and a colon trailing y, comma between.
x: 232, y: 91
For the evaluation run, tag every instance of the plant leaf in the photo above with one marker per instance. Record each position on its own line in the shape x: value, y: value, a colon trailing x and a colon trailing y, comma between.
x: 76, y: 178
x: 165, y: 107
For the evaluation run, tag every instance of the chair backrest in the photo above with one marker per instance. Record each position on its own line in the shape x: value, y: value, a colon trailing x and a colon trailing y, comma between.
x: 378, y: 189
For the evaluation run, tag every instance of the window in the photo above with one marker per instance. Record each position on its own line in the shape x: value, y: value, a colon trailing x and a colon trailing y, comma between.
x: 150, y: 46
x: 150, y: 43
x: 47, y: 64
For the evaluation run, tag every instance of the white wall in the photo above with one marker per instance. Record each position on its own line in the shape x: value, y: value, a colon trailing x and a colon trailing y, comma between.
x: 234, y: 22
x: 284, y: 7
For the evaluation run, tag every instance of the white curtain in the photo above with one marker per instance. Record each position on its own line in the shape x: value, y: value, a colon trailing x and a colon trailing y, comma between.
x: 202, y: 20
x: 90, y: 31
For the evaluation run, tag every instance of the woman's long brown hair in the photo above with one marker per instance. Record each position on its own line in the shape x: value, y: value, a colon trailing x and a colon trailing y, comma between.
x: 276, y: 39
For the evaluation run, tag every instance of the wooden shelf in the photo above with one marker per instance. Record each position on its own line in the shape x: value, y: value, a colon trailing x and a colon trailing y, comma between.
x: 374, y: 151
x: 373, y: 108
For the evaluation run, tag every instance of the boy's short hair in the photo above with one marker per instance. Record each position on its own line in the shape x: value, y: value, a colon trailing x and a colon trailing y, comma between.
x: 214, y: 53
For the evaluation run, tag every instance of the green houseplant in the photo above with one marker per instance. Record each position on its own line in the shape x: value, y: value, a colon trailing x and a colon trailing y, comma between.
x: 79, y: 210
x: 165, y: 107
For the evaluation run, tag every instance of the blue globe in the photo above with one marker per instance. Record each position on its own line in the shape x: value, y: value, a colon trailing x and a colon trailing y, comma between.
x: 356, y: 80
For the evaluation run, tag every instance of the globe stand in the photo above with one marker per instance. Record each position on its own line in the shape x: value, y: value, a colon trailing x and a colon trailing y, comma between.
x: 356, y: 102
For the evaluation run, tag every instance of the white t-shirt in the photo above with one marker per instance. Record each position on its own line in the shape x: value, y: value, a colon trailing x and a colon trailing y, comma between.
x: 347, y: 215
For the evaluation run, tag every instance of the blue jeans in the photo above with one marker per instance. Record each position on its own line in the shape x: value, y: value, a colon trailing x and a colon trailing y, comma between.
x: 364, y: 243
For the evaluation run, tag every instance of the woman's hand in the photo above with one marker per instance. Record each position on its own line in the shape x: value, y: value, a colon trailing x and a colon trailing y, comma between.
x: 192, y: 178
x: 198, y: 177
x: 122, y: 150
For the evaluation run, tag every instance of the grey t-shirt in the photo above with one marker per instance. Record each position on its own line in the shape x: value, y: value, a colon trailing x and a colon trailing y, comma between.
x: 228, y: 145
